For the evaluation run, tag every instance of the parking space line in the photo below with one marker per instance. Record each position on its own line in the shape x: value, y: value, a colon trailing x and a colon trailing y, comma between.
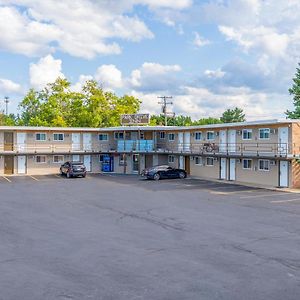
x: 6, y: 179
x: 33, y: 178
x: 264, y: 195
x: 283, y: 201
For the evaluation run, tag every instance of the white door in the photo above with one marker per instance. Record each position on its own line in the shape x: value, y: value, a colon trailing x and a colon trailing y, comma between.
x: 76, y: 141
x: 180, y: 141
x: 223, y: 168
x: 22, y: 164
x: 87, y: 141
x: 181, y: 162
x: 231, y: 140
x: 232, y: 169
x: 187, y: 141
x: 87, y: 162
x: 283, y: 140
x: 283, y: 178
x: 76, y: 157
x: 21, y: 141
x: 223, y: 141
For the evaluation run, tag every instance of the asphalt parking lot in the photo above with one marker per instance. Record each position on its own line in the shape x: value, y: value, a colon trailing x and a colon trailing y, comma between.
x: 119, y: 237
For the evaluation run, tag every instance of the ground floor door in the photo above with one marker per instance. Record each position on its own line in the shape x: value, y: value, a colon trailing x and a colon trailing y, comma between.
x: 223, y: 168
x: 181, y: 162
x: 8, y: 164
x: 22, y: 164
x: 187, y: 165
x: 283, y: 174
x: 87, y: 162
x: 75, y: 157
x: 148, y: 161
x: 232, y: 169
x: 135, y: 163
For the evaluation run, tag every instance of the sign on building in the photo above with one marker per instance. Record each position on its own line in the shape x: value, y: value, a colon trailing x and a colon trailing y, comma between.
x: 135, y: 119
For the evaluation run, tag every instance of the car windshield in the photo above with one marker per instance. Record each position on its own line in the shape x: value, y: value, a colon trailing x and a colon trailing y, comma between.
x: 77, y: 164
x: 163, y: 167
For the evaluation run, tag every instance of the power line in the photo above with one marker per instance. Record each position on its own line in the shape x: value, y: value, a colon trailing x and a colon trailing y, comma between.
x: 6, y: 101
x: 164, y: 103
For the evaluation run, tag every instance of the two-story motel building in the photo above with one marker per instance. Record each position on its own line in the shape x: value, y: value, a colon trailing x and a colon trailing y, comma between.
x: 261, y: 152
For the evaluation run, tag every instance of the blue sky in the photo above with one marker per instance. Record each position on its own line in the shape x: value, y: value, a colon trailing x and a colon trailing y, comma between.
x: 209, y: 55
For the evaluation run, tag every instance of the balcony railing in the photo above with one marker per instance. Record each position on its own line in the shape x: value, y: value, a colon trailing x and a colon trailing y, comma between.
x: 205, y: 148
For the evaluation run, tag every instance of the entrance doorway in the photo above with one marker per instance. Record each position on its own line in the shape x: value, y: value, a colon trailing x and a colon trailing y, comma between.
x: 8, y: 141
x: 148, y: 161
x: 283, y: 173
x: 135, y: 163
x: 187, y: 165
x: 8, y: 164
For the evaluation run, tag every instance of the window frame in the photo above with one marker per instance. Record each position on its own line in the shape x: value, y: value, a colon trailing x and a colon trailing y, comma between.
x: 40, y: 162
x: 251, y: 163
x: 172, y: 161
x: 264, y: 169
x: 44, y: 133
x: 117, y: 135
x: 212, y: 159
x: 247, y: 131
x: 103, y: 134
x: 198, y: 133
x: 200, y: 160
x: 58, y: 162
x: 264, y: 138
x: 58, y: 133
x: 162, y: 135
x: 171, y: 134
x: 214, y: 135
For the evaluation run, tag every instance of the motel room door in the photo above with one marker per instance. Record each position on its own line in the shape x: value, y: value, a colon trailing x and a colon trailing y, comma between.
x: 283, y: 140
x: 87, y: 162
x: 21, y: 141
x: 180, y: 141
x: 87, y: 141
x: 232, y: 140
x: 8, y: 164
x: 75, y: 141
x: 22, y: 164
x: 232, y: 168
x: 223, y: 168
x: 223, y: 141
x: 283, y: 173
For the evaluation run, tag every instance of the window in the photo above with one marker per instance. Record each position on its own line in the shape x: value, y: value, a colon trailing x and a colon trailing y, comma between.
x: 171, y: 137
x: 264, y: 165
x: 101, y: 157
x: 162, y: 135
x: 119, y: 135
x: 142, y: 136
x: 58, y: 136
x: 210, y: 135
x: 40, y: 159
x: 247, y: 134
x: 103, y: 137
x: 40, y: 136
x: 247, y: 164
x: 58, y: 159
x: 264, y: 133
x: 171, y: 159
x: 121, y: 159
x: 198, y: 136
x: 198, y: 161
x: 209, y: 161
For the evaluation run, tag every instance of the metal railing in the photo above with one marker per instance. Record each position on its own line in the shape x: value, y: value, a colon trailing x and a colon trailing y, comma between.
x: 271, y: 149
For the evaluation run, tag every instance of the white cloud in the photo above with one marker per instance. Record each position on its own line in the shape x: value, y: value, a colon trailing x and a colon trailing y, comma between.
x: 45, y: 71
x: 200, y: 41
x: 77, y: 87
x: 110, y: 76
x: 214, y: 73
x: 8, y: 86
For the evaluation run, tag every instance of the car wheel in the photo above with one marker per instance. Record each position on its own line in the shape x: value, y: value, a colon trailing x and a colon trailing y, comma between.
x: 68, y: 175
x: 156, y: 176
x: 83, y: 176
x: 61, y: 172
x: 182, y: 175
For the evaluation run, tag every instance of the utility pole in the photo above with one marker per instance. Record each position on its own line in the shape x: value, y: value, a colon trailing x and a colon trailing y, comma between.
x: 164, y: 105
x: 6, y: 101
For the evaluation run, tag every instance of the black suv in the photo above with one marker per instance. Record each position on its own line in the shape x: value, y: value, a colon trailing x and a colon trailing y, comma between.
x: 73, y: 169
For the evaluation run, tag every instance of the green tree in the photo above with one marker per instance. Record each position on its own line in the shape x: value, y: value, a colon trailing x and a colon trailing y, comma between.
x: 233, y: 115
x: 171, y: 121
x: 58, y: 105
x: 295, y: 91
x: 207, y: 121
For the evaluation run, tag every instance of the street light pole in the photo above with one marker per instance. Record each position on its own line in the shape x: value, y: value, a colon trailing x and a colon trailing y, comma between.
x: 6, y: 101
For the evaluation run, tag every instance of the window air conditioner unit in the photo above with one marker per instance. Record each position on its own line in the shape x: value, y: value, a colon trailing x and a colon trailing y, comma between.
x: 217, y: 133
x: 239, y: 161
x: 215, y: 159
x: 272, y: 162
x: 30, y: 134
x: 272, y: 131
x: 239, y: 132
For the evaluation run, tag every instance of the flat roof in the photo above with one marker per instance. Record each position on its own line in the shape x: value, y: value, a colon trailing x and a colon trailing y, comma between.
x: 150, y: 128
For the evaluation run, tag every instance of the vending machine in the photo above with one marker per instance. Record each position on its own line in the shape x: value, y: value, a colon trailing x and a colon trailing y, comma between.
x: 107, y: 163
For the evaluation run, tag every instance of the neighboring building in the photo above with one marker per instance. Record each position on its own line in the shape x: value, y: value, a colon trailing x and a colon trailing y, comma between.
x: 262, y: 152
